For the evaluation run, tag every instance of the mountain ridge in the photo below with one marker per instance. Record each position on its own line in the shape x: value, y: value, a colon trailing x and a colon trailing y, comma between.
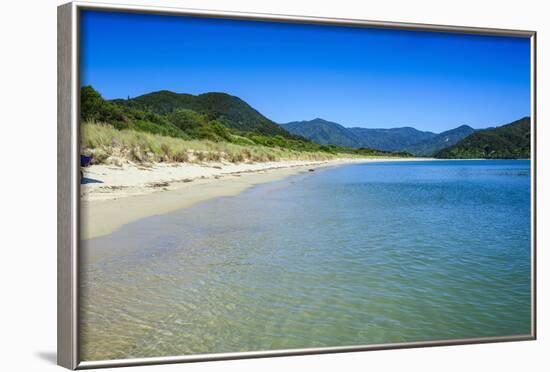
x: 325, y: 132
x: 230, y: 110
x: 508, y: 141
x: 440, y: 141
x: 405, y: 138
x: 390, y: 139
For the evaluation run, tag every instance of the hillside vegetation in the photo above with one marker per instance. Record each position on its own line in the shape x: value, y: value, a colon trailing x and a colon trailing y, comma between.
x: 228, y: 110
x: 166, y: 126
x: 510, y: 141
x: 110, y: 145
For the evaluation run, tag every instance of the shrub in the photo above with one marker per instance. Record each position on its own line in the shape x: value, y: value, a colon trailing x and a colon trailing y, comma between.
x: 213, y: 156
x: 104, y: 141
x: 200, y: 156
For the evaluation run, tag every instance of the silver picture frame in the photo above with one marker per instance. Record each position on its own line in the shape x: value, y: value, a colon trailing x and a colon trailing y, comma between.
x: 68, y: 204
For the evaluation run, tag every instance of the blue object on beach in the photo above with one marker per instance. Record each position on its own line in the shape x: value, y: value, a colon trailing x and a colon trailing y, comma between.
x: 85, y: 160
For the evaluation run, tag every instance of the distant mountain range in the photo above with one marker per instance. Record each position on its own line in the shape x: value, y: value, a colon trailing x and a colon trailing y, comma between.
x: 396, y: 139
x: 510, y: 141
x: 222, y: 117
x: 414, y: 141
x: 324, y: 132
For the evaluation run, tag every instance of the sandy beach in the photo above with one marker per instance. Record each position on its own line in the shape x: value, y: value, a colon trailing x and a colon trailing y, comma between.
x: 112, y: 196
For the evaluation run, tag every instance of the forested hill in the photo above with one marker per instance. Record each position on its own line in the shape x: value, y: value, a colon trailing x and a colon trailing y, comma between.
x: 444, y: 139
x: 391, y: 139
x: 222, y: 117
x: 510, y: 141
x: 215, y: 117
x: 229, y: 110
x: 324, y: 132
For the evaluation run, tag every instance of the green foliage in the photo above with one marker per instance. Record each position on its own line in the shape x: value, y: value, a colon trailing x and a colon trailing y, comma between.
x: 91, y: 104
x: 109, y: 145
x: 231, y: 111
x: 95, y: 109
x: 198, y: 126
x: 511, y: 141
x: 214, y: 117
x: 186, y: 120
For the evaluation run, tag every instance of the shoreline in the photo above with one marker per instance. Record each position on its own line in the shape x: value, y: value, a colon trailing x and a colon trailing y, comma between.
x: 115, y: 196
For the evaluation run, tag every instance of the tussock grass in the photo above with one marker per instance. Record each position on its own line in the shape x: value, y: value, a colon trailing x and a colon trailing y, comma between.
x: 113, y: 146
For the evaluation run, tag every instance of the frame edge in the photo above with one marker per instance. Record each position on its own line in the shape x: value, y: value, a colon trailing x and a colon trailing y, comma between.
x: 534, y: 165
x: 66, y: 355
x: 293, y: 18
x: 67, y: 177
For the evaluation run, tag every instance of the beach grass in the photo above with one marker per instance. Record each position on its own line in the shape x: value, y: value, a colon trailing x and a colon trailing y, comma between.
x: 109, y: 145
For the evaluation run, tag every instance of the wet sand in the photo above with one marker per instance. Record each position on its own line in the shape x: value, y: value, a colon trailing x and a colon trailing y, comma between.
x: 114, y: 196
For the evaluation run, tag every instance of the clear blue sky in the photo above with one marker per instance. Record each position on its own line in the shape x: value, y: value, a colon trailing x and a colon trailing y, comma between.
x: 354, y: 76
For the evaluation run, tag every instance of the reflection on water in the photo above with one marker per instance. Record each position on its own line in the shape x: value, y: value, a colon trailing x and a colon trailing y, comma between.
x: 358, y: 254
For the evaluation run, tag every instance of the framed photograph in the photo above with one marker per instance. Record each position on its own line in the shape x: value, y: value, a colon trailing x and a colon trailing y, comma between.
x: 235, y: 185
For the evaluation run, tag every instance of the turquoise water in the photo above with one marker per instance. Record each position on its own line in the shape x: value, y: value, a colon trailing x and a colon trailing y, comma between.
x: 351, y: 255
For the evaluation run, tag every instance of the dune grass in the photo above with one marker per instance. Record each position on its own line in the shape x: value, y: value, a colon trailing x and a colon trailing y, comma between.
x: 110, y: 145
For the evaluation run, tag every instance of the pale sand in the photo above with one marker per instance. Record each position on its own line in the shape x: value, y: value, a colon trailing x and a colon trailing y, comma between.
x: 128, y: 193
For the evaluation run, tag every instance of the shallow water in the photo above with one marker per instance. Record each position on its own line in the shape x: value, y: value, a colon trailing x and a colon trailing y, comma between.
x: 350, y: 255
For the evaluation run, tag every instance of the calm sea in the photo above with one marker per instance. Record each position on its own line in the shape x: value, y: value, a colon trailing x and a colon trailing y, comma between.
x: 351, y: 255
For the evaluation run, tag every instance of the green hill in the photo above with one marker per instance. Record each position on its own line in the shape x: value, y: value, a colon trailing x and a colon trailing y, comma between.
x: 323, y: 132
x: 445, y: 139
x: 392, y: 139
x: 231, y: 111
x: 93, y: 108
x: 510, y: 141
x: 326, y: 132
x: 215, y: 117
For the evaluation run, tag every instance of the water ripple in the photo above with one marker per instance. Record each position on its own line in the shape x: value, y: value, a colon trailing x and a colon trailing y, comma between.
x: 351, y: 255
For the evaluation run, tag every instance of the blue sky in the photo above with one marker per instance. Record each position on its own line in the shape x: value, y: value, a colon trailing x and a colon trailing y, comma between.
x: 361, y: 77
